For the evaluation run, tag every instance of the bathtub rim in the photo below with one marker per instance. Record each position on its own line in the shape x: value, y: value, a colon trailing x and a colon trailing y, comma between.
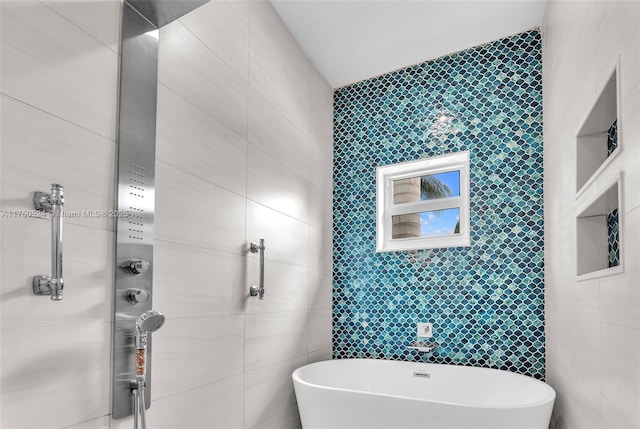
x: 549, y: 398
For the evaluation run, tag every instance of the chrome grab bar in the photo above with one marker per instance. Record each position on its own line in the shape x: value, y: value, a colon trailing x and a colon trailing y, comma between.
x: 52, y: 284
x: 258, y: 290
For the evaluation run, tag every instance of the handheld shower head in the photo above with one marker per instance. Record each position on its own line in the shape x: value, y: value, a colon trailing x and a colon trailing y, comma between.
x: 149, y: 321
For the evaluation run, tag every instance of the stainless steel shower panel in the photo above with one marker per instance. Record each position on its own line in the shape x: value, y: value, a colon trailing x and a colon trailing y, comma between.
x: 162, y: 12
x: 136, y: 188
x: 136, y: 199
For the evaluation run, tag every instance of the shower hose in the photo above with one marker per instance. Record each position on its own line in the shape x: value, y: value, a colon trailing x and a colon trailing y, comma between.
x: 139, y: 406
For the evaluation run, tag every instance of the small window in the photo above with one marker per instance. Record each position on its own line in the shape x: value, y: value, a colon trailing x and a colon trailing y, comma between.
x: 423, y: 204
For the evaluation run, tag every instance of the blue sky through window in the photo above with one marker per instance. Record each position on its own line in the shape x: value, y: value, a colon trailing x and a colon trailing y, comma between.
x: 442, y: 222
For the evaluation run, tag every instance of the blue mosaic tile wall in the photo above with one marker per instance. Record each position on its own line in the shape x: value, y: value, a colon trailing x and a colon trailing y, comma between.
x: 486, y: 301
x: 612, y: 137
x: 613, y: 234
x: 613, y: 238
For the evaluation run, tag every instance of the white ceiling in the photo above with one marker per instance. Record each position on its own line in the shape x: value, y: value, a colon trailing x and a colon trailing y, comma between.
x: 352, y: 40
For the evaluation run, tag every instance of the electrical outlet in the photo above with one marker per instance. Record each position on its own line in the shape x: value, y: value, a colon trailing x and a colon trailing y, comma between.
x: 425, y: 330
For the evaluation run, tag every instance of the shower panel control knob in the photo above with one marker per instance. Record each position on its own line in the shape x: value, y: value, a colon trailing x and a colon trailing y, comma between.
x: 136, y: 296
x: 137, y: 266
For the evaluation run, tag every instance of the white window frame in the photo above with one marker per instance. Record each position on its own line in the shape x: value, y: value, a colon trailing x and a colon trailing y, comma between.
x: 386, y: 208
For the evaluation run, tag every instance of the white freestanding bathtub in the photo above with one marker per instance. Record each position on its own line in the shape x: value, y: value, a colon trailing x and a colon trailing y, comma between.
x: 368, y: 394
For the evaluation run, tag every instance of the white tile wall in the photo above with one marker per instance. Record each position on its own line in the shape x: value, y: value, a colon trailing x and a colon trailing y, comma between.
x: 277, y: 67
x: 273, y: 133
x: 592, y: 328
x: 287, y: 287
x: 274, y: 337
x: 64, y: 369
x: 87, y: 289
x: 288, y: 419
x: 620, y: 353
x: 85, y: 163
x: 267, y: 29
x: 269, y: 394
x: 98, y: 423
x: 194, y: 142
x: 101, y: 19
x: 277, y: 187
x: 50, y: 63
x: 320, y: 208
x: 320, y: 355
x: 263, y: 222
x: 210, y: 282
x: 320, y: 289
x: 321, y: 166
x: 320, y: 249
x: 319, y: 330
x: 195, y: 351
x: 59, y: 95
x: 194, y: 71
x: 244, y: 144
x: 224, y: 32
x: 240, y: 8
x: 284, y: 94
x: 631, y: 134
x: 192, y: 211
x: 212, y: 406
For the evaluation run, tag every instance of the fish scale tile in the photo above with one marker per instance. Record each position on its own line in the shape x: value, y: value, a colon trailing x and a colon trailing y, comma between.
x: 612, y: 137
x: 613, y: 238
x: 486, y: 301
x: 613, y: 234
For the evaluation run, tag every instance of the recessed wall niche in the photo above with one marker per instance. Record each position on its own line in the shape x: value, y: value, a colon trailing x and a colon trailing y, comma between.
x: 598, y: 138
x: 598, y: 234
